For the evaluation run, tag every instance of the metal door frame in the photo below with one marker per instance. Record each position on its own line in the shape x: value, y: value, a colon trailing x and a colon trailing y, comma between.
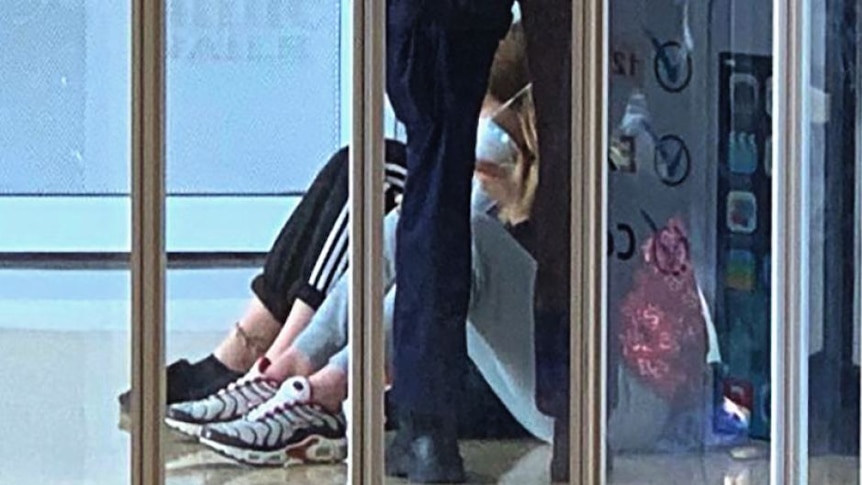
x: 790, y: 234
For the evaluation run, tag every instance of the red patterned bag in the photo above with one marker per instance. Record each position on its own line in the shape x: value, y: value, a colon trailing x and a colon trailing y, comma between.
x: 663, y: 332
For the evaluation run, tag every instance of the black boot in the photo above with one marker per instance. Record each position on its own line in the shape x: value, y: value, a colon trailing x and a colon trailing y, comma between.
x: 398, y: 455
x: 425, y: 450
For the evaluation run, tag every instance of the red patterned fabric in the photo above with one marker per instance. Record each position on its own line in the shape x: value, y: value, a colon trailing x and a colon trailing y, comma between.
x: 663, y: 332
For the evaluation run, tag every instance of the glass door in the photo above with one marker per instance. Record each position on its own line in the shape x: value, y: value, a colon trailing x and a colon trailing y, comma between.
x: 690, y: 226
x: 65, y: 241
x: 733, y: 242
x: 693, y: 242
x: 827, y: 96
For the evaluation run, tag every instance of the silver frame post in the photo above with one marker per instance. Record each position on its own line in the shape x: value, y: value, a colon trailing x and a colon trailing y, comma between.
x: 590, y: 20
x: 148, y: 240
x: 366, y: 380
x: 790, y: 235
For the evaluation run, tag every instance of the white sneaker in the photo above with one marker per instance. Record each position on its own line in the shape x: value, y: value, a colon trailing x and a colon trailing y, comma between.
x: 228, y: 404
x: 288, y: 429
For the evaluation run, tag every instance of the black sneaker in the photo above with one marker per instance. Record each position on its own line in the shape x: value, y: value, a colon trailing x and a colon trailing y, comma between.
x: 227, y: 404
x: 186, y: 382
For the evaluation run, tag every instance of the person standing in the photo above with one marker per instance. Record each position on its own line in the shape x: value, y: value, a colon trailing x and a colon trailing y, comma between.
x: 439, y: 55
x: 437, y: 65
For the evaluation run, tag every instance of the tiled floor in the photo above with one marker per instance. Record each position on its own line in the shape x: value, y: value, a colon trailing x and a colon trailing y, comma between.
x: 505, y: 462
x: 59, y: 426
x: 515, y: 463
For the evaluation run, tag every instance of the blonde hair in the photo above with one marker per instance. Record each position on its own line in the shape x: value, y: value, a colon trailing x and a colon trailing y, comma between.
x: 526, y: 172
x: 509, y: 82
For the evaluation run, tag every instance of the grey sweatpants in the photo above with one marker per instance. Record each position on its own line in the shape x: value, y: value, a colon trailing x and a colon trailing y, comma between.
x: 499, y: 327
x: 324, y: 340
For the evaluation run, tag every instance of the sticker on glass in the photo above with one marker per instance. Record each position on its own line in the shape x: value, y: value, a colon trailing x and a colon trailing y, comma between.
x: 741, y: 270
x: 742, y: 152
x: 741, y: 212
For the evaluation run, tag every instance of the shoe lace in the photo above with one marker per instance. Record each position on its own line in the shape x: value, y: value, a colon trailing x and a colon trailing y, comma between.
x: 238, y: 384
x: 269, y: 409
x: 272, y: 408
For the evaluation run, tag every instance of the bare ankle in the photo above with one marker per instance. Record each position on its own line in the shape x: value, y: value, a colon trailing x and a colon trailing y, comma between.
x: 329, y: 388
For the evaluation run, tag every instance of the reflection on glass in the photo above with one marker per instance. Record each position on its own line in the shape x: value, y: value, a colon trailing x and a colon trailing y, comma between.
x: 831, y: 120
x: 689, y: 213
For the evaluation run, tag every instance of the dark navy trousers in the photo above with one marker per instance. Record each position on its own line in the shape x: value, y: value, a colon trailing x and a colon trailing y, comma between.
x: 439, y: 54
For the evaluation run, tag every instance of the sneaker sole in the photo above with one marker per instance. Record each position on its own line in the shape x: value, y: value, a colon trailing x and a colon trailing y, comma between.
x: 314, y: 449
x: 190, y: 429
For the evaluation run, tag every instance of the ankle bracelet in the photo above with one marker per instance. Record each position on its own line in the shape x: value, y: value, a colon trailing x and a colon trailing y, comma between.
x: 256, y: 344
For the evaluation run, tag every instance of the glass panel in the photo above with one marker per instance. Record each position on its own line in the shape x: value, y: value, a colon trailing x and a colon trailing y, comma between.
x: 831, y: 119
x: 65, y: 338
x: 515, y: 349
x: 689, y: 220
x: 64, y: 115
x: 63, y: 65
x: 255, y: 93
x: 64, y: 306
x: 258, y: 109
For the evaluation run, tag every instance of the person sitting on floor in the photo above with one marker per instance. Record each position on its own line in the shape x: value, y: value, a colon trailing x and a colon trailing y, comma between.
x: 308, y: 257
x: 288, y: 409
